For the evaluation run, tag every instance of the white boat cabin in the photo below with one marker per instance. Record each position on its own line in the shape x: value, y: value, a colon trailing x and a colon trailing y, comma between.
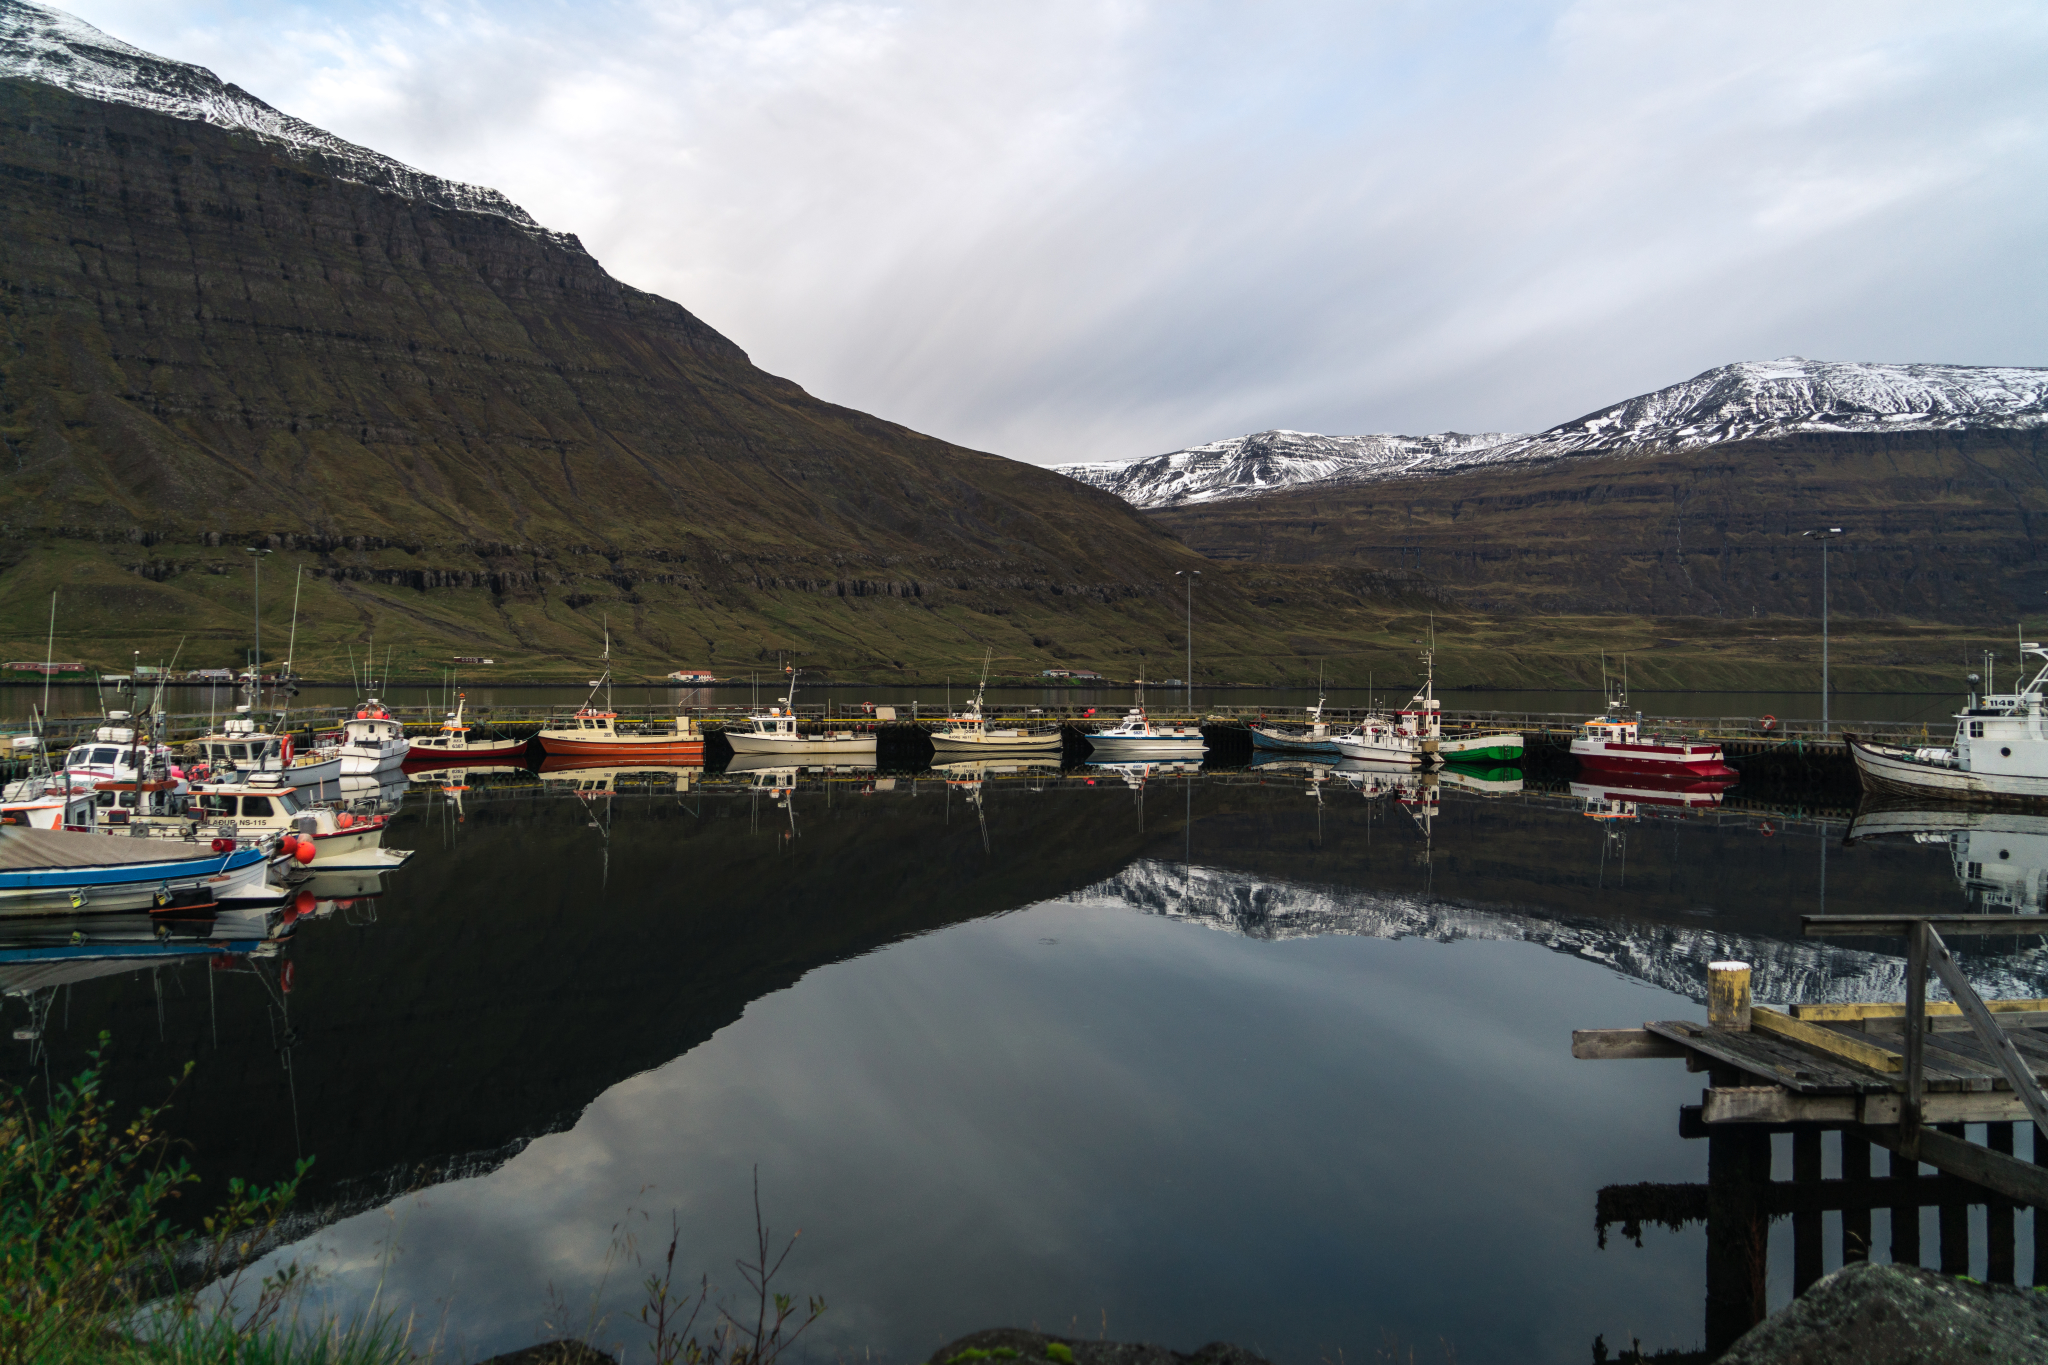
x: 2004, y: 734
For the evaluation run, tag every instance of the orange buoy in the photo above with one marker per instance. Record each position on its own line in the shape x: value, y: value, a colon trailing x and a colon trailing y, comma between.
x: 345, y: 820
x: 304, y: 851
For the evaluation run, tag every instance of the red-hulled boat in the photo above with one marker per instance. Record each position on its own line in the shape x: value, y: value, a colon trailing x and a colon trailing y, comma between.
x: 1615, y: 744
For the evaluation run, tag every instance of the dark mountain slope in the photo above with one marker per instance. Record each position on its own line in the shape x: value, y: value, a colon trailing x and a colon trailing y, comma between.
x: 474, y: 440
x: 1944, y: 526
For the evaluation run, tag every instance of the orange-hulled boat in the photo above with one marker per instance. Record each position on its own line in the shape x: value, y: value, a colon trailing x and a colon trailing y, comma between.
x: 596, y: 733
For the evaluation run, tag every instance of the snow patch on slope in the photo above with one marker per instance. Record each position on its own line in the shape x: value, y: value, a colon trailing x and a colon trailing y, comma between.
x: 1751, y: 400
x: 38, y: 43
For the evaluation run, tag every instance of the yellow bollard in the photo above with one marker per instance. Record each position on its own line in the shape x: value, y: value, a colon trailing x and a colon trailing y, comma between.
x: 1728, y: 996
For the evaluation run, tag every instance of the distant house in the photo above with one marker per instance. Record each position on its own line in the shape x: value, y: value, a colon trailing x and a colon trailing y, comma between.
x: 1080, y: 673
x: 40, y: 667
x: 691, y: 675
x: 472, y: 659
x: 211, y: 675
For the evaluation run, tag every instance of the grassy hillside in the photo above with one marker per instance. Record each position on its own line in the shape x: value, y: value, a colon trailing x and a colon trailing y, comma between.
x: 1944, y: 526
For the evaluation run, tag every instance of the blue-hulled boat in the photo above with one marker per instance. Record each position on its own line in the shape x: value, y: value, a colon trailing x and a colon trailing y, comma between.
x: 58, y: 872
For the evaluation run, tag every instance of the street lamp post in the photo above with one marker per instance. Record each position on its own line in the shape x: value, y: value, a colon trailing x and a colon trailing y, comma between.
x: 1825, y: 536
x: 1189, y: 681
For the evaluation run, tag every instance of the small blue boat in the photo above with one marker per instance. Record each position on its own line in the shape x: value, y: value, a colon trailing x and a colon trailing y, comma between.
x: 56, y: 872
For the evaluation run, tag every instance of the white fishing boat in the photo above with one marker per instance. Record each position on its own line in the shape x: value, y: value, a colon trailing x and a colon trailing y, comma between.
x: 1414, y: 735
x: 372, y: 742
x: 1999, y: 753
x: 453, y: 742
x: 241, y: 746
x: 775, y: 732
x: 1136, y: 737
x: 266, y: 806
x: 969, y: 732
x: 119, y: 751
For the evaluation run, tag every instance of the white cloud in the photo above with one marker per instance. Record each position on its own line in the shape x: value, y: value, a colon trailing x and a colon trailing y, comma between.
x: 1088, y: 230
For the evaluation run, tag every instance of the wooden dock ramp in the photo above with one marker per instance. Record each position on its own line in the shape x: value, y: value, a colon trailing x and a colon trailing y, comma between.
x: 1905, y: 1078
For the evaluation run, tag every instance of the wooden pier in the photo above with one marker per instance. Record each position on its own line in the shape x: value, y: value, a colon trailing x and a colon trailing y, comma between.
x: 1906, y: 1078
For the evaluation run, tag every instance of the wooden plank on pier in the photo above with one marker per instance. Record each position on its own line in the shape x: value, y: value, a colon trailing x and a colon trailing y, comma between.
x: 1614, y: 1044
x: 1776, y: 1106
x: 1942, y: 1070
x: 1825, y: 1039
x: 1774, y: 1059
x: 2015, y: 1179
x: 1889, y: 1009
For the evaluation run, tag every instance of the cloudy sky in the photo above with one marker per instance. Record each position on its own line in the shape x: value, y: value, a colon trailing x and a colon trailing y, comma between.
x: 1102, y: 230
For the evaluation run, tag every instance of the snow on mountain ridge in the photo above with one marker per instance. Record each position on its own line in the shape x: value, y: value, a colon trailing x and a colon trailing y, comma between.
x: 1247, y: 465
x: 1749, y: 400
x: 47, y: 45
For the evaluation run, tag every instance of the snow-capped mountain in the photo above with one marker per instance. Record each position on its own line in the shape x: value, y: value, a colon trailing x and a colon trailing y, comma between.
x: 1671, y: 957
x: 47, y: 45
x: 1750, y: 400
x: 1248, y: 465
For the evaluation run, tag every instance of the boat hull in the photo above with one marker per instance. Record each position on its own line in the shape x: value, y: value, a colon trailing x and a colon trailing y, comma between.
x: 1051, y: 742
x: 365, y: 762
x: 1115, y: 747
x: 1281, y: 741
x: 683, y: 752
x: 1669, y: 760
x: 57, y: 877
x: 798, y: 746
x: 489, y: 751
x: 1890, y: 771
x: 1481, y: 749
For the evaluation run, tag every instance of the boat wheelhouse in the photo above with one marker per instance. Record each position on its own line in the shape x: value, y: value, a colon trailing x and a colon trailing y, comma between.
x: 372, y: 741
x: 241, y: 746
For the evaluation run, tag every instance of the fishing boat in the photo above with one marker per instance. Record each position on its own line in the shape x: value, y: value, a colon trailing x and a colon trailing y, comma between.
x: 119, y: 751
x: 775, y: 732
x: 1615, y: 742
x: 1999, y: 753
x: 597, y: 732
x: 452, y: 743
x: 1137, y: 737
x: 970, y: 733
x: 265, y: 806
x: 1414, y: 735
x: 44, y: 799
x: 372, y: 742
x: 1317, y: 737
x: 240, y: 746
x: 55, y: 872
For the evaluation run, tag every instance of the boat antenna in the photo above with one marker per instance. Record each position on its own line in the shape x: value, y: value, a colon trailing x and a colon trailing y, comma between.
x: 291, y: 651
x: 50, y: 652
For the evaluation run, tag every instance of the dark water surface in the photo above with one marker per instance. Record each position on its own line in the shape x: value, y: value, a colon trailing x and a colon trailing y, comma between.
x: 1232, y: 1055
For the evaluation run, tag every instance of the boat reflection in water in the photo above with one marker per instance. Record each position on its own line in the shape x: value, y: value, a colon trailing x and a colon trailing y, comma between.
x: 2000, y: 857
x: 588, y: 777
x: 1622, y: 796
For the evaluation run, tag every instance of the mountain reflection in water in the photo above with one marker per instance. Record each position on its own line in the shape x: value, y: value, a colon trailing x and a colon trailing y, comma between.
x: 987, y: 1089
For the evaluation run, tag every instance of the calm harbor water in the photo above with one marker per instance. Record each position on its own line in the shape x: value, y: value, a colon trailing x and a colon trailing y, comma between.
x: 1240, y: 1055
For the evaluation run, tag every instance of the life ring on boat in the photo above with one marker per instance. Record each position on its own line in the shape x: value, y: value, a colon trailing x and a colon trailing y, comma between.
x: 1768, y: 723
x: 284, y: 978
x: 287, y: 750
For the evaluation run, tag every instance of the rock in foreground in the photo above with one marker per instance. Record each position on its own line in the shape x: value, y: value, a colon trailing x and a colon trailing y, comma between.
x: 1867, y: 1314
